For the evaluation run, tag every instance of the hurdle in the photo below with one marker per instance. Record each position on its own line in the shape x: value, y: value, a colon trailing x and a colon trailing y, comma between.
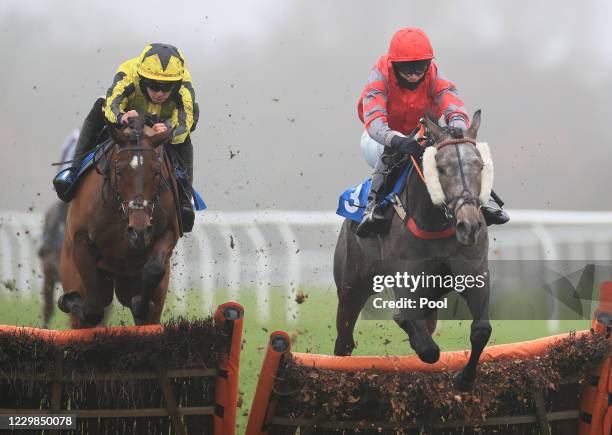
x: 192, y: 391
x: 564, y: 406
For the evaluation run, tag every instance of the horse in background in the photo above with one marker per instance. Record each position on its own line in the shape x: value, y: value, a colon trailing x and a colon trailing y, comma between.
x: 49, y: 254
x: 438, y: 230
x: 121, y: 229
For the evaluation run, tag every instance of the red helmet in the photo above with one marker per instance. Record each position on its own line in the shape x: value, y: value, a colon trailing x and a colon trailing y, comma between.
x: 410, y: 44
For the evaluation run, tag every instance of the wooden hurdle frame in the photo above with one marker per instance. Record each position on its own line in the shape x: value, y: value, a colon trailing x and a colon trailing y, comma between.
x: 262, y: 416
x: 228, y: 316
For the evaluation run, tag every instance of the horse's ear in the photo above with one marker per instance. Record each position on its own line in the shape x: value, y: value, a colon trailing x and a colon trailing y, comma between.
x: 472, y: 132
x: 434, y: 129
x: 118, y: 136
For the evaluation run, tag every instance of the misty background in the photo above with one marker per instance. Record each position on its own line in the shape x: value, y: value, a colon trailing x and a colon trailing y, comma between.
x: 277, y: 82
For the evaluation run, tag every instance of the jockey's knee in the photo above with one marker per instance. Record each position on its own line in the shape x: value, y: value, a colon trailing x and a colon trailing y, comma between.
x: 96, y: 113
x: 371, y: 149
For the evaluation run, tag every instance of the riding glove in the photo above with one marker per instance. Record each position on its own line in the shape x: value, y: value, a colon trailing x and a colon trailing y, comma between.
x: 407, y: 145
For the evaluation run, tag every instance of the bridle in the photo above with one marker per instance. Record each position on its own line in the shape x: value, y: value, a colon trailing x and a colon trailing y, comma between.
x: 138, y: 202
x: 451, y: 206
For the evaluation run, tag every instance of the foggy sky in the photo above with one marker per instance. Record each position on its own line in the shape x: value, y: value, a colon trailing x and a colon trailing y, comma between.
x: 279, y: 80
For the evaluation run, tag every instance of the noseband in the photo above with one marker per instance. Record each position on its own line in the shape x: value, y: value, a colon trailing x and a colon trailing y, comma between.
x: 465, y: 197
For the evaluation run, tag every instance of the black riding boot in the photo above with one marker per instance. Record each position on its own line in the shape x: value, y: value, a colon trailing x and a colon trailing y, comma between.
x: 92, y: 126
x: 493, y: 212
x: 184, y: 152
x: 373, y: 215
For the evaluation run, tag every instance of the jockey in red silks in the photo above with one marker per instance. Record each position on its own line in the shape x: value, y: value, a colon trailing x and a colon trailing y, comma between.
x: 405, y: 85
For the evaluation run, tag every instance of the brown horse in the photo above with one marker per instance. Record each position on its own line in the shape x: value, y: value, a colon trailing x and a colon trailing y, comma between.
x: 459, y: 176
x: 121, y: 230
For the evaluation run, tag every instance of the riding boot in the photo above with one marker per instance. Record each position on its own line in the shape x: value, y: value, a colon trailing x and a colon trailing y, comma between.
x: 373, y: 215
x: 92, y: 126
x: 493, y: 212
x: 184, y: 152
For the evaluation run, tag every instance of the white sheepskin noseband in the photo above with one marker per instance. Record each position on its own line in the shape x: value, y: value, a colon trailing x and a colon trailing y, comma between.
x: 432, y: 178
x: 486, y: 177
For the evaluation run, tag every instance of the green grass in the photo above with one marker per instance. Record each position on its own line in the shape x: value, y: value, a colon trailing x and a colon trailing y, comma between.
x: 314, y: 330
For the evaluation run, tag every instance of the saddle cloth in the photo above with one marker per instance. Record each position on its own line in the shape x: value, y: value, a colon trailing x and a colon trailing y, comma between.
x: 353, y: 201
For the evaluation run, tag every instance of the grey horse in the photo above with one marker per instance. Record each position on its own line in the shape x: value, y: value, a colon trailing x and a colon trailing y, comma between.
x: 459, y: 178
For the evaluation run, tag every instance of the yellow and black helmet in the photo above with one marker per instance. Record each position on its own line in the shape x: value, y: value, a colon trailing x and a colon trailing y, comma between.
x: 162, y: 63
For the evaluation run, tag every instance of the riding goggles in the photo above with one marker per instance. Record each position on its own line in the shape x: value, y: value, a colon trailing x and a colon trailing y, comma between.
x: 160, y: 86
x: 416, y: 67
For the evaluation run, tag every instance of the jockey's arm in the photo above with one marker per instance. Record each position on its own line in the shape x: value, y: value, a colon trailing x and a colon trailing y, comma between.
x: 183, y: 116
x: 448, y: 103
x: 117, y: 95
x: 375, y: 109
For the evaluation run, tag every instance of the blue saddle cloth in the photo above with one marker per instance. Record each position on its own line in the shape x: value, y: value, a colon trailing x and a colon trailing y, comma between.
x: 353, y: 201
x: 197, y: 202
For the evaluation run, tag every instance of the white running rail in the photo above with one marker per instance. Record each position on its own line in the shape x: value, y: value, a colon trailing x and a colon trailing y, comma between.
x: 288, y: 250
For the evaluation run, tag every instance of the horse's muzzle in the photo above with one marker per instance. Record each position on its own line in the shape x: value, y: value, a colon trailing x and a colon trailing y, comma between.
x: 140, y: 239
x: 468, y: 231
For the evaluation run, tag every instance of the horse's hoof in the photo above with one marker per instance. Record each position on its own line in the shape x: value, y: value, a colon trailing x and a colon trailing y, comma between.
x: 342, y: 349
x: 461, y: 384
x: 431, y: 355
x: 66, y: 300
x: 140, y: 312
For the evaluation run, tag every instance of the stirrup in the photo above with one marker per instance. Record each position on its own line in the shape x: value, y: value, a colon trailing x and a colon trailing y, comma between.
x: 368, y: 222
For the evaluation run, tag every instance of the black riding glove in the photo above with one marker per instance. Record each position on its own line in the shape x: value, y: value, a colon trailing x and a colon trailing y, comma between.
x: 407, y: 145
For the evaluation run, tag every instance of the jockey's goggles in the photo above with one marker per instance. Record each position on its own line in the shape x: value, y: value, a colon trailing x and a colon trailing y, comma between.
x: 160, y: 86
x: 416, y: 67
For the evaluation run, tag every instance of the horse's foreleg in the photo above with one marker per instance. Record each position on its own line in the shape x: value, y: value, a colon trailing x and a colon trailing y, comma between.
x: 87, y: 303
x: 145, y: 307
x: 350, y: 303
x: 478, y: 303
x: 158, y: 299
x: 419, y: 335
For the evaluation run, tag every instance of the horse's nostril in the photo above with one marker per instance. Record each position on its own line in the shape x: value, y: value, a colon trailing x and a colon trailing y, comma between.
x: 461, y: 226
